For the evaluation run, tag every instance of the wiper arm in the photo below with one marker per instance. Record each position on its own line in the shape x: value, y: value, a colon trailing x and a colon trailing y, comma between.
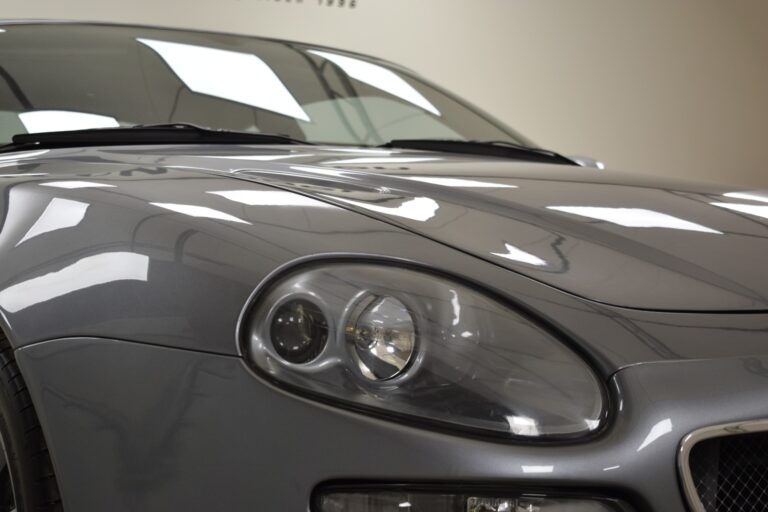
x: 473, y: 147
x: 180, y: 133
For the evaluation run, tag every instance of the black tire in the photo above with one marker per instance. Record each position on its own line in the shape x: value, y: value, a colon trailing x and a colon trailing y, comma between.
x: 28, y: 471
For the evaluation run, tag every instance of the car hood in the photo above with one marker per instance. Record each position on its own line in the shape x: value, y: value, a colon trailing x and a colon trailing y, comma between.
x: 615, y: 238
x: 607, y: 236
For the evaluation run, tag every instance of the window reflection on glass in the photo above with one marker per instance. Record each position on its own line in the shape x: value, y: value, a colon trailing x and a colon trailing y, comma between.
x: 236, y: 76
x: 371, y: 120
x: 41, y: 121
x: 132, y: 76
x: 380, y: 78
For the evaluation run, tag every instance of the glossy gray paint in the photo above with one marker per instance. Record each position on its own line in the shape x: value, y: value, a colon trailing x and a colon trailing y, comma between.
x: 694, y: 255
x: 124, y: 303
x: 704, y: 260
x: 201, y: 432
x: 172, y: 251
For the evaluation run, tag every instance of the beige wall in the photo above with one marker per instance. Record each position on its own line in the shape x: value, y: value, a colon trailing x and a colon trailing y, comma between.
x: 659, y: 86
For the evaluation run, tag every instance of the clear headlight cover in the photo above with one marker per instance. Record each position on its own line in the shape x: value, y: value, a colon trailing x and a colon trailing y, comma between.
x: 406, y: 343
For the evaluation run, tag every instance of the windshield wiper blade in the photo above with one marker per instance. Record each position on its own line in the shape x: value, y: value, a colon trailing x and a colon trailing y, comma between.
x: 490, y: 148
x: 180, y: 133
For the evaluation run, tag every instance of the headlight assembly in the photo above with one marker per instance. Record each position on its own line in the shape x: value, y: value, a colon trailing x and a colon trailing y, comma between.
x: 406, y: 343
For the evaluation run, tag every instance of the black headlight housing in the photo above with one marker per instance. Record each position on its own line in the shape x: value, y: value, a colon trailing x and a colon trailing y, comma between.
x: 408, y: 344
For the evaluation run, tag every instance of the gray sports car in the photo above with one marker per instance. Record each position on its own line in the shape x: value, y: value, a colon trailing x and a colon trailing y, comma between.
x: 240, y: 274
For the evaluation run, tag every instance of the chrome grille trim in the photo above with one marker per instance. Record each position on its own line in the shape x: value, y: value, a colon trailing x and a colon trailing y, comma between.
x: 692, y: 439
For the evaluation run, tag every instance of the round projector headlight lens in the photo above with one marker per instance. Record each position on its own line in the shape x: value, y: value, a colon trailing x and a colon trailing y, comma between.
x: 382, y: 335
x: 409, y: 344
x: 299, y: 331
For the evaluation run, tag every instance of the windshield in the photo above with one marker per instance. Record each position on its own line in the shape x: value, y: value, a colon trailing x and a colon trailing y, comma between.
x: 72, y: 76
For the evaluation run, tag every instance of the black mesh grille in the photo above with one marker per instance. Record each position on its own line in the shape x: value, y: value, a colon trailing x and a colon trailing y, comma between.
x: 731, y: 473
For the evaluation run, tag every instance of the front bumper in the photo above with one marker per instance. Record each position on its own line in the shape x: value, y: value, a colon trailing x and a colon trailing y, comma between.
x: 139, y: 427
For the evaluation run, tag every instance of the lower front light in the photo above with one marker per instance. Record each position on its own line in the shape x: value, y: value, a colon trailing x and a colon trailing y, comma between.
x: 396, y: 501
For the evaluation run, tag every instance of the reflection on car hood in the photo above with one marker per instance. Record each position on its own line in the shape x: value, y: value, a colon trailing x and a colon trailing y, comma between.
x: 615, y: 238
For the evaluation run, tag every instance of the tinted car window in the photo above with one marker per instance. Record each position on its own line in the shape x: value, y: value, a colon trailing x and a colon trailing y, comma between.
x: 60, y: 77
